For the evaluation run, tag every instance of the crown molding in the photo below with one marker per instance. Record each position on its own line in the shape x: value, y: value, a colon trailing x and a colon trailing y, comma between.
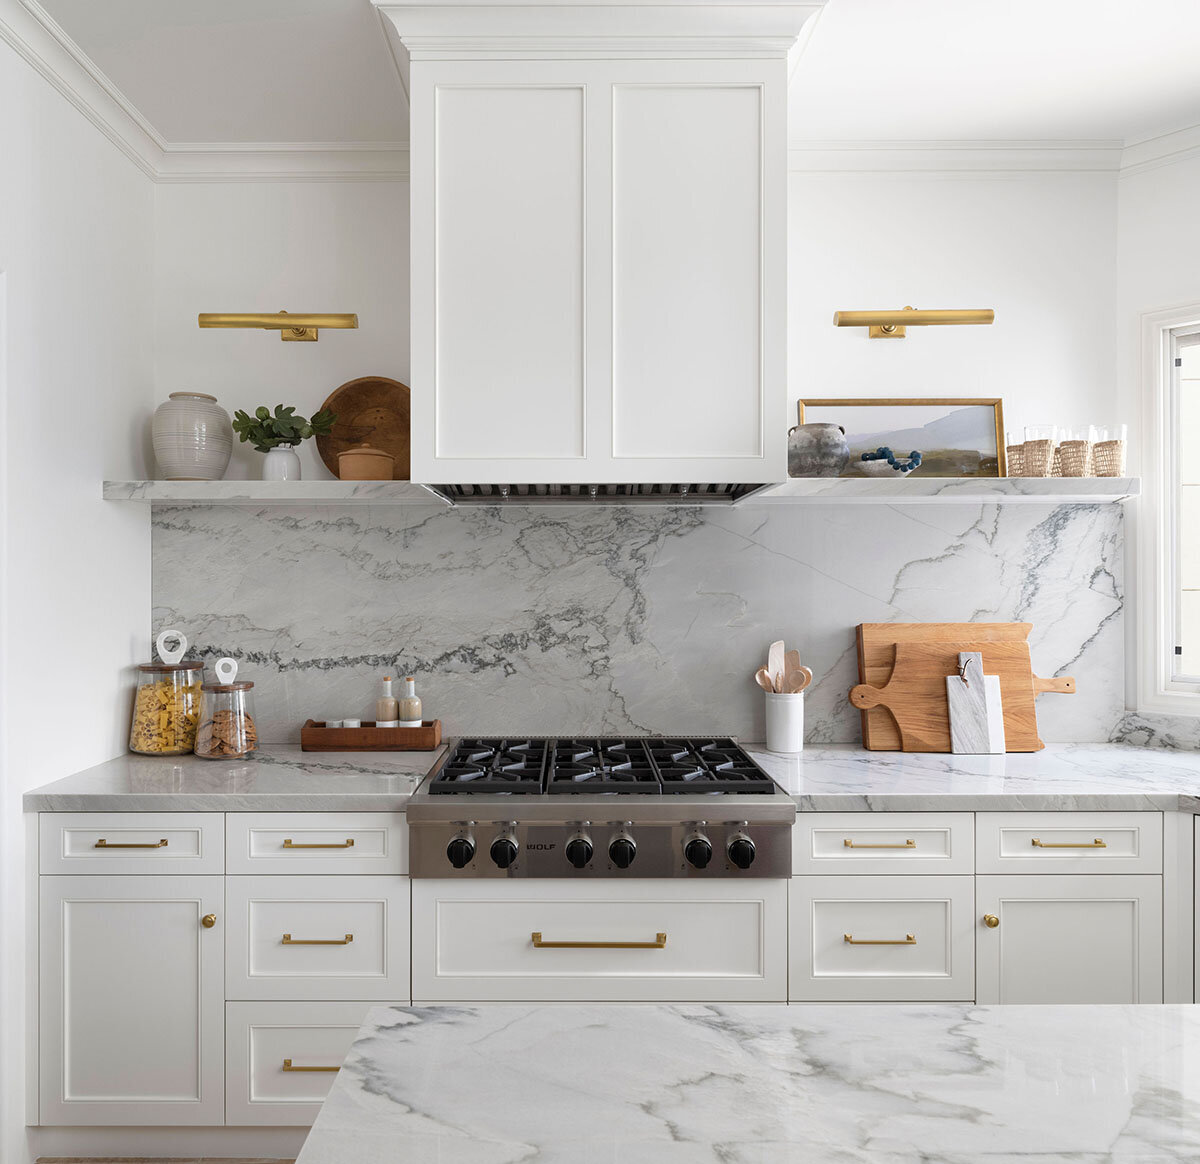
x: 1166, y: 149
x: 284, y: 162
x: 966, y: 157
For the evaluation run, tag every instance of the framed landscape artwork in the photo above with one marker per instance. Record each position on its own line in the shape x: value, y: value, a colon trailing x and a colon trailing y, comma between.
x: 955, y: 437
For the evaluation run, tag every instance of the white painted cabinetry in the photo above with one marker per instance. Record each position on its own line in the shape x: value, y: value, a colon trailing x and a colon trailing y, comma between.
x: 598, y: 260
x: 132, y: 993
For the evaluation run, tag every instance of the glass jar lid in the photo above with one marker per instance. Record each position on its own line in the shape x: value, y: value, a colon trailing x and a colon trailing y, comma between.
x: 240, y: 685
x: 181, y: 666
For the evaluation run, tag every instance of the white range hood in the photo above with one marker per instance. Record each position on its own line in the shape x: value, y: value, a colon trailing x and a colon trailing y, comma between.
x: 599, y: 246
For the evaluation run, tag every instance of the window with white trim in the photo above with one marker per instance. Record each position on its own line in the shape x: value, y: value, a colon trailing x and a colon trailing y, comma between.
x: 1183, y: 386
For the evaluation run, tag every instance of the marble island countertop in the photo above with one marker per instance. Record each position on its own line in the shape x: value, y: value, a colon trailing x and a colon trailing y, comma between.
x: 834, y: 778
x: 900, y: 1083
x: 280, y: 779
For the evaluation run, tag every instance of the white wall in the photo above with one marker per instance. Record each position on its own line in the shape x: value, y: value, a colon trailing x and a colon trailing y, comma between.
x: 315, y: 246
x: 75, y: 258
x: 1039, y: 248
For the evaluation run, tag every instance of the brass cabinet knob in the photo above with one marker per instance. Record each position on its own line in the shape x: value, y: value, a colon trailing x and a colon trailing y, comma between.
x: 991, y: 920
x: 208, y: 920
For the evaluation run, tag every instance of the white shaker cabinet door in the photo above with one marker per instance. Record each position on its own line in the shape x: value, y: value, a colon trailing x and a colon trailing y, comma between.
x: 132, y: 1000
x: 1070, y: 938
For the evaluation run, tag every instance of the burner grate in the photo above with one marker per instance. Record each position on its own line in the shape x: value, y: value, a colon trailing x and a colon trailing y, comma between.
x: 506, y: 767
x: 604, y: 766
x: 707, y: 767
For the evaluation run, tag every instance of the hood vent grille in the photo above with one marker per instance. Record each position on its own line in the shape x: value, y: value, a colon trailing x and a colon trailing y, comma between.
x: 675, y: 494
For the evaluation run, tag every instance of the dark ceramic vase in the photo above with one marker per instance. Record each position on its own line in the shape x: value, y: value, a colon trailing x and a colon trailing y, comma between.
x: 817, y: 450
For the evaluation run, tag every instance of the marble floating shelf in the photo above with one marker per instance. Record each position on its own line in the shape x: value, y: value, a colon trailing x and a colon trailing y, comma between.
x: 274, y: 492
x: 948, y: 490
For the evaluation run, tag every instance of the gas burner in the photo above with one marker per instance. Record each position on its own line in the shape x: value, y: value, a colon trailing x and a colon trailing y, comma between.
x: 500, y: 767
x: 603, y: 767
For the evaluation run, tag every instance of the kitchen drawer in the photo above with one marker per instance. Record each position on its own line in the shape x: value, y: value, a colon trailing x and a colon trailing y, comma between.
x: 1066, y: 842
x: 281, y: 1058
x: 317, y: 938
x: 316, y: 842
x: 131, y: 842
x: 859, y: 939
x: 724, y: 941
x: 888, y: 842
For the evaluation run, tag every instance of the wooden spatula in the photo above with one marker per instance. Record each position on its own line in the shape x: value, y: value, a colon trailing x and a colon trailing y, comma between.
x: 775, y: 663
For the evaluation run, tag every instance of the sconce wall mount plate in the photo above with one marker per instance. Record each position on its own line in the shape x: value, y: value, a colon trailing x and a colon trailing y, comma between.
x: 301, y: 327
x: 892, y: 324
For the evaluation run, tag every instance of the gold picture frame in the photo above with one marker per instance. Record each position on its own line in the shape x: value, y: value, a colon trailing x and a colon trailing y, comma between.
x: 995, y: 403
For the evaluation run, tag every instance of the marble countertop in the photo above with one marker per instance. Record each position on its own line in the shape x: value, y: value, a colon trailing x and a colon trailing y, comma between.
x: 900, y: 1083
x: 277, y: 779
x: 838, y: 778
x: 1062, y: 777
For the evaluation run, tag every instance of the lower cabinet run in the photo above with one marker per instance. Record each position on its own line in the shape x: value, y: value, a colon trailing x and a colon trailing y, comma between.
x: 1083, y: 938
x: 630, y: 941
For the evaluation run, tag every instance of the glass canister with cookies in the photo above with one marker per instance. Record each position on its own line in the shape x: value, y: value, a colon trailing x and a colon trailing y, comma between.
x: 227, y: 730
x: 166, y: 706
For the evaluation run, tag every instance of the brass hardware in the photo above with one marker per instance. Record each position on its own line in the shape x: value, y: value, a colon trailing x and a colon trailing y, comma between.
x: 287, y: 1066
x: 907, y: 940
x: 348, y: 843
x: 903, y: 845
x: 302, y: 326
x: 288, y: 940
x: 892, y: 324
x: 991, y: 920
x: 208, y: 920
x: 659, y: 943
x: 1096, y: 844
x: 103, y: 844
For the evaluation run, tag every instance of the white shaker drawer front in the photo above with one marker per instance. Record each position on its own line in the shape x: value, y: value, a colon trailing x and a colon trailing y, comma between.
x: 559, y: 941
x: 281, y: 1058
x: 132, y: 842
x: 1068, y: 842
x: 316, y: 842
x: 882, y: 938
x: 892, y: 842
x: 317, y: 938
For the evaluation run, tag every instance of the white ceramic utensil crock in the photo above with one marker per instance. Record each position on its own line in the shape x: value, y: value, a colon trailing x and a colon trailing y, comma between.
x: 785, y: 722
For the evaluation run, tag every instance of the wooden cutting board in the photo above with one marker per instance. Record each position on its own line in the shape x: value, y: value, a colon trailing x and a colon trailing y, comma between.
x: 915, y: 695
x: 877, y: 652
x: 371, y: 410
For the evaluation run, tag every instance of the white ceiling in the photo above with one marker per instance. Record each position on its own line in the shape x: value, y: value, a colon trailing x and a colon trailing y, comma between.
x: 229, y: 71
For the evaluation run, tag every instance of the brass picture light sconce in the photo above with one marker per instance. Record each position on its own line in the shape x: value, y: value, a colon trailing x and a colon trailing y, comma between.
x: 301, y: 326
x: 891, y: 324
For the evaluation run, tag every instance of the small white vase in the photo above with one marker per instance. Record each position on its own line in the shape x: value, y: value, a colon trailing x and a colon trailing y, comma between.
x: 785, y: 722
x: 192, y: 437
x: 281, y: 464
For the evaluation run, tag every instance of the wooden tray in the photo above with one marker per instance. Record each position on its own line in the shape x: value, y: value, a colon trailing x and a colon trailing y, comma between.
x: 877, y: 653
x: 371, y: 410
x: 316, y: 737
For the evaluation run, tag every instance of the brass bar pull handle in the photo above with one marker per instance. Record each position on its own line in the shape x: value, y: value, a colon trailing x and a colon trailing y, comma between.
x: 348, y: 843
x: 289, y: 1066
x: 857, y: 845
x: 103, y: 844
x: 659, y: 943
x: 288, y: 940
x: 1096, y: 844
x: 907, y: 940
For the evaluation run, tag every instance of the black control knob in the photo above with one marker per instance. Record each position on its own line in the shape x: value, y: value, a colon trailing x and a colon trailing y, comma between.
x: 461, y: 852
x: 579, y: 851
x: 622, y: 852
x: 503, y: 851
x: 698, y: 851
x: 741, y: 851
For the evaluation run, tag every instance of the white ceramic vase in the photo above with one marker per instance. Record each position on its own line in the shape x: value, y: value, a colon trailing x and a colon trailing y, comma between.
x: 192, y: 437
x: 785, y: 722
x: 281, y: 464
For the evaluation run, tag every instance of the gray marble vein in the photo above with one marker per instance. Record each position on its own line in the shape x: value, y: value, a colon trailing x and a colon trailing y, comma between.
x: 276, y: 779
x: 907, y: 1083
x: 1152, y: 730
x: 543, y: 621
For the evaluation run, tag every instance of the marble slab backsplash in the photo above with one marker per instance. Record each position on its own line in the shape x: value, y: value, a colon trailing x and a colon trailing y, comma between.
x: 636, y: 620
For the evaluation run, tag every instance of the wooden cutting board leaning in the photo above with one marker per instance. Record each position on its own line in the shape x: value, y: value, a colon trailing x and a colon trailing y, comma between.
x: 908, y: 702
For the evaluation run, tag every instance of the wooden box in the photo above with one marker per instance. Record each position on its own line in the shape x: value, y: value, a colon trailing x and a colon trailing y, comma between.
x: 316, y: 737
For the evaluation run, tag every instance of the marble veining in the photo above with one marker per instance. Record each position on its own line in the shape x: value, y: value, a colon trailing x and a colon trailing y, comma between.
x: 626, y: 620
x: 1172, y: 733
x: 901, y: 1083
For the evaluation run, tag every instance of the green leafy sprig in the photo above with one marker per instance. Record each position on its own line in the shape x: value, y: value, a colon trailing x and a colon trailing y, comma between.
x: 266, y: 431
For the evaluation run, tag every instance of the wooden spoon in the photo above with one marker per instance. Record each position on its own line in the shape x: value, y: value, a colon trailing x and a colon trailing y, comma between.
x: 797, y: 680
x: 775, y: 664
x: 764, y: 680
x: 791, y: 662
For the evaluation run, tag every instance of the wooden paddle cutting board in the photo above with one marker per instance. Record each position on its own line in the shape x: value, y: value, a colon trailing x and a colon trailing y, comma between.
x: 877, y: 652
x: 915, y: 694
